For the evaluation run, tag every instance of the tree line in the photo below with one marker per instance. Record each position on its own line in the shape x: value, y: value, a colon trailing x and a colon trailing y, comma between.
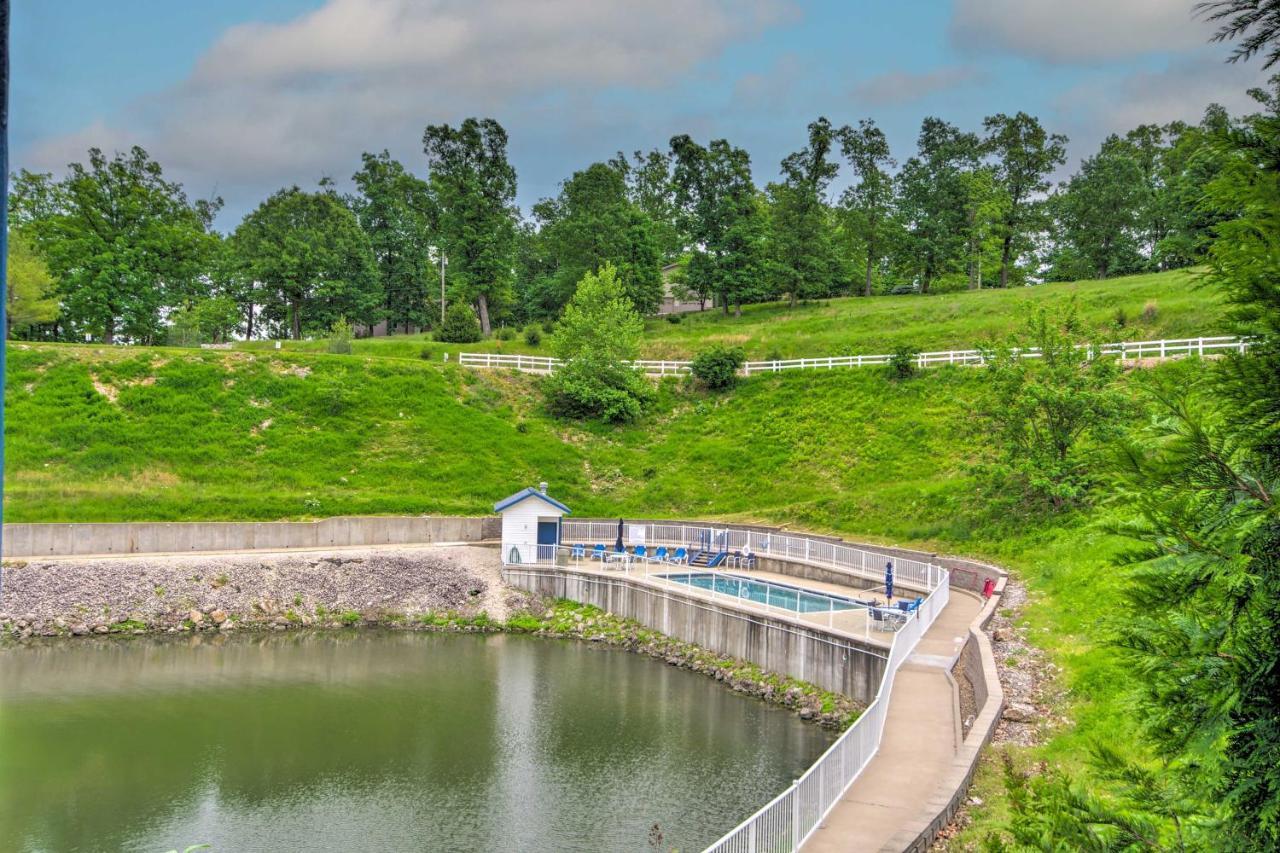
x: 115, y: 251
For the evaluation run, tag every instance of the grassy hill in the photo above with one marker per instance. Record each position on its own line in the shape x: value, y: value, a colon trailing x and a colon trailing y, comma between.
x: 100, y: 433
x: 1160, y: 305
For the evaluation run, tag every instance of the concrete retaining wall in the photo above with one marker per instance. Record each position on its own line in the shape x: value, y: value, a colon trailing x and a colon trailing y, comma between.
x: 65, y: 540
x: 813, y: 655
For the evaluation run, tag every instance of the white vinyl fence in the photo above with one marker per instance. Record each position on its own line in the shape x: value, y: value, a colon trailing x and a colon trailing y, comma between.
x: 1126, y: 350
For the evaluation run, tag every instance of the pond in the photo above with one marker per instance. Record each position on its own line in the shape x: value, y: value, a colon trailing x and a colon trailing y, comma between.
x: 378, y: 740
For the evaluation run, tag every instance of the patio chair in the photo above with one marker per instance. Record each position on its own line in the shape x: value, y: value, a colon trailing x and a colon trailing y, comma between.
x: 641, y: 552
x: 680, y: 556
x: 578, y: 551
x: 597, y: 553
x: 661, y: 553
x: 735, y: 559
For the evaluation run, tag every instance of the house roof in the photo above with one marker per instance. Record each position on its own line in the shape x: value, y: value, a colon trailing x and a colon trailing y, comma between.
x: 529, y: 493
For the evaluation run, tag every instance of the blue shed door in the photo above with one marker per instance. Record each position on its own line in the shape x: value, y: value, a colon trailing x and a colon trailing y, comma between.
x: 548, y: 533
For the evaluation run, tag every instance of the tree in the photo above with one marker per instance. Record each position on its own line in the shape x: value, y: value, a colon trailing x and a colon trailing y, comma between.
x: 313, y: 260
x: 123, y: 243
x: 1025, y: 157
x: 1041, y: 411
x: 394, y: 208
x: 650, y: 188
x: 868, y: 204
x: 596, y: 338
x: 932, y: 193
x: 722, y: 214
x: 1099, y: 213
x: 460, y: 325
x: 475, y: 192
x: 31, y: 299
x: 592, y: 223
x: 804, y: 254
x: 211, y: 320
x: 1255, y: 22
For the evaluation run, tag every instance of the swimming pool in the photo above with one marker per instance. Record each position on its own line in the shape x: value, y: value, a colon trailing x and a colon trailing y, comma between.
x: 767, y: 592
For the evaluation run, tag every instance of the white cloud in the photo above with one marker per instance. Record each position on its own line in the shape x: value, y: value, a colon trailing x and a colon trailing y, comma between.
x: 1077, y: 31
x: 897, y: 87
x: 268, y: 104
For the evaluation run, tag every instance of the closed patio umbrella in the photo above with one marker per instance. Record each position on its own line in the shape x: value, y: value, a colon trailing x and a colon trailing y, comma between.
x: 888, y: 580
x: 618, y: 545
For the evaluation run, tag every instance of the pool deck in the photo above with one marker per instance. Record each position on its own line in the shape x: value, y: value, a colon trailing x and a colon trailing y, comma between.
x: 854, y: 622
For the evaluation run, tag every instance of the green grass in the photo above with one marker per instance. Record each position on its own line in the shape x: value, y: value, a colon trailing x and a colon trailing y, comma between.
x: 103, y: 434
x: 878, y: 325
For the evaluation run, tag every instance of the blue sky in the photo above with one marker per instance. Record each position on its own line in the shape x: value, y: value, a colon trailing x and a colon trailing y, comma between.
x: 241, y: 97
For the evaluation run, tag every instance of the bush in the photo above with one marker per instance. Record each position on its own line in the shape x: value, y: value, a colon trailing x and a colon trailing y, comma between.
x: 548, y: 326
x: 675, y: 319
x: 505, y: 333
x: 902, y: 363
x: 426, y: 354
x: 579, y: 391
x: 1150, y: 313
x: 717, y: 367
x: 460, y: 325
x: 532, y: 335
x: 340, y: 337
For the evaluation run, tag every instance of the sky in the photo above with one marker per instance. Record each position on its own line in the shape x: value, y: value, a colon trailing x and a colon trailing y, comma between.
x: 238, y: 98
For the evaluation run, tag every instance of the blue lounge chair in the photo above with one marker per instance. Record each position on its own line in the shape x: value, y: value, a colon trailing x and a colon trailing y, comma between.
x: 661, y: 553
x: 597, y: 553
x: 640, y: 552
x: 579, y: 551
x: 681, y: 556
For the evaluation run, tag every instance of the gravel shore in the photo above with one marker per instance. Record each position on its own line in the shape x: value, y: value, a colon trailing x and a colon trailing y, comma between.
x: 194, y: 592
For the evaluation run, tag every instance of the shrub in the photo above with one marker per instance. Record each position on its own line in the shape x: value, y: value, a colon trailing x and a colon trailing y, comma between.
x: 460, y: 325
x: 548, y: 326
x: 1121, y: 320
x: 340, y: 337
x: 532, y: 335
x: 1150, y: 312
x: 505, y: 333
x: 902, y: 363
x: 717, y: 367
x: 675, y: 319
x: 426, y: 354
x: 774, y: 354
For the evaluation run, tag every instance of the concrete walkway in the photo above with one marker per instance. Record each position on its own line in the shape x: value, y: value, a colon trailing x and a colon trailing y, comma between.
x: 921, y: 738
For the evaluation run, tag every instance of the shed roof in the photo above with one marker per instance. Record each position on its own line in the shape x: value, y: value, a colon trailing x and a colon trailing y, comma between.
x: 529, y: 493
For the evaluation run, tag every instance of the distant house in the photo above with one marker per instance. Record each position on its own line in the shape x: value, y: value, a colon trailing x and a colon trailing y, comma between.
x: 672, y: 303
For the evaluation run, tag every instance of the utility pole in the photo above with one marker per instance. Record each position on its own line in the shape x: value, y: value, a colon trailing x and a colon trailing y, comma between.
x: 444, y: 262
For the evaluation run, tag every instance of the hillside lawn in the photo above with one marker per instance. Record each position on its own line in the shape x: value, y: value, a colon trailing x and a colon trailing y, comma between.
x: 106, y: 434
x: 853, y: 325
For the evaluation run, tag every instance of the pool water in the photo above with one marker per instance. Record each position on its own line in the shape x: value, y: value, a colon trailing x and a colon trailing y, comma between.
x: 766, y: 592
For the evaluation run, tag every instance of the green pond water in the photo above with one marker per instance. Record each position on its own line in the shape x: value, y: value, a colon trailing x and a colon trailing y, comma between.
x: 369, y: 740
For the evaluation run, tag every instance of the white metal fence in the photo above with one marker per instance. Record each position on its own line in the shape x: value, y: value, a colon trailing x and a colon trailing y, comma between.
x: 787, y: 821
x: 1126, y: 350
x: 821, y: 552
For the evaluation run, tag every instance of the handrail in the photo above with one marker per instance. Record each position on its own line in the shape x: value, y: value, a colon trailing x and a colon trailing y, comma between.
x: 665, y: 367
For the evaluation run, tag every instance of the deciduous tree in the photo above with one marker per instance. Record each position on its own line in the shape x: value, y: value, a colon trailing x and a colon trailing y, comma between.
x: 312, y: 259
x: 475, y: 193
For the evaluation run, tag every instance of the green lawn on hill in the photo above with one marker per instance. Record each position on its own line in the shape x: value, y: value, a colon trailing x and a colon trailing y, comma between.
x: 851, y: 326
x: 101, y: 433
